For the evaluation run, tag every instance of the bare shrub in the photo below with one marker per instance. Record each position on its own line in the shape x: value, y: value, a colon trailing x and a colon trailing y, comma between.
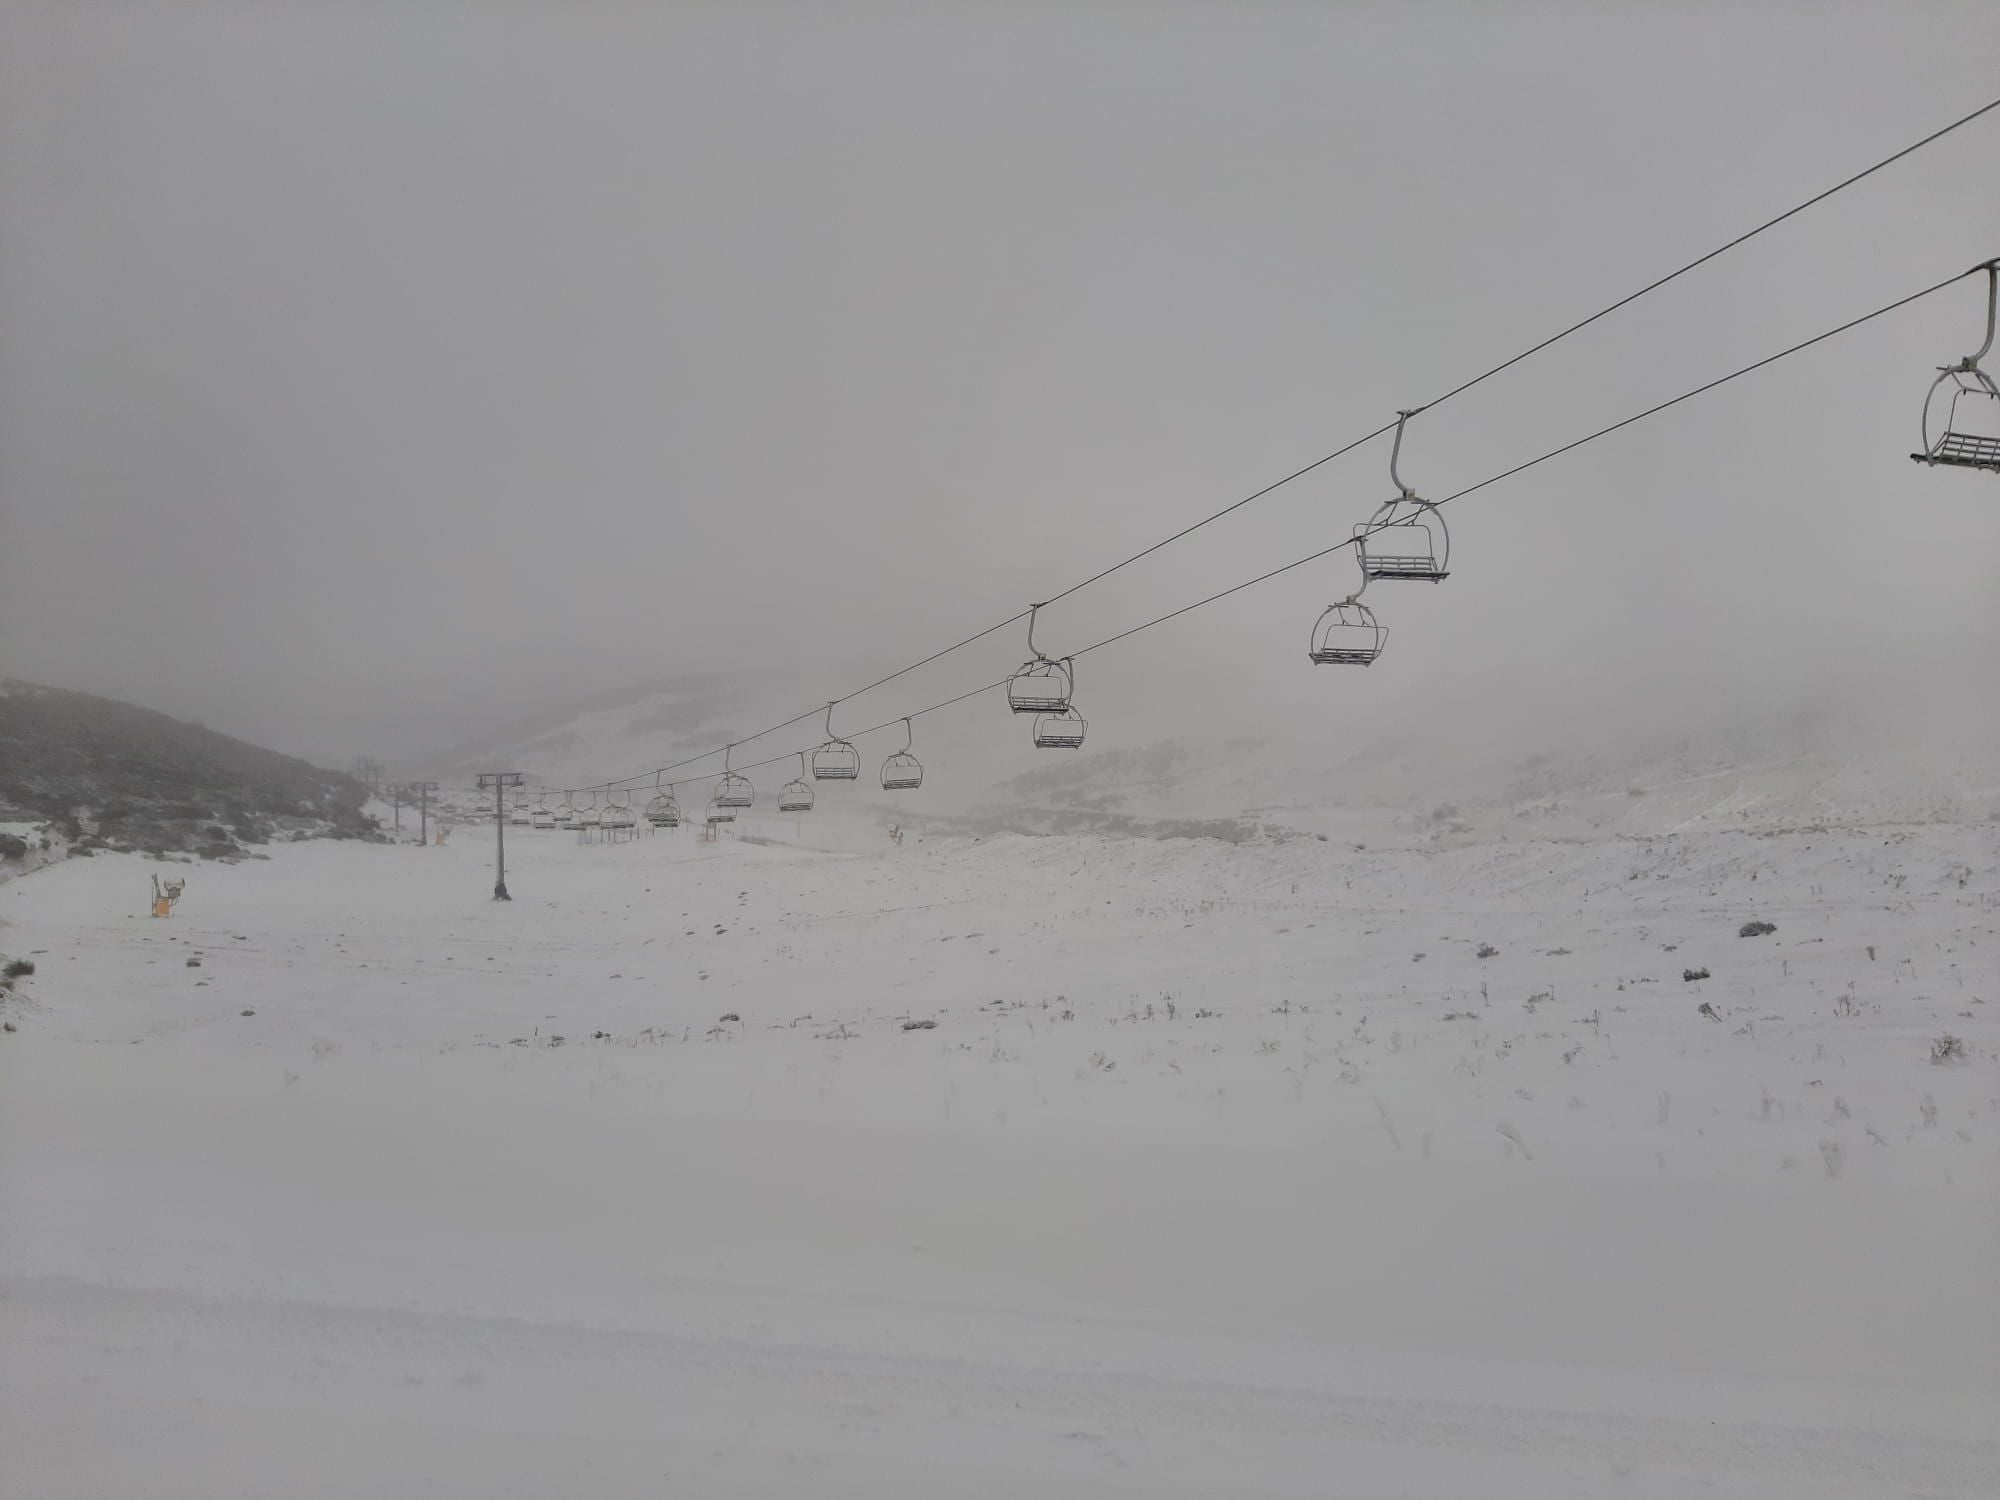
x: 1949, y: 1049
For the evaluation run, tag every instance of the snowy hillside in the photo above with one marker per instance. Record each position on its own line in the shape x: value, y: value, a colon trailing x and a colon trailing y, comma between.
x: 1403, y: 781
x: 84, y: 773
x: 1772, y: 775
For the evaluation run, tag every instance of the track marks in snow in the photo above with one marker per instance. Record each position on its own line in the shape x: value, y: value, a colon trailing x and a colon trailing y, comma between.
x: 59, y: 1324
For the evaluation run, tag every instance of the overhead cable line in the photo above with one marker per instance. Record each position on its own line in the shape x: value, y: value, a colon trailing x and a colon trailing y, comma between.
x: 1312, y: 557
x: 1534, y: 349
x: 1389, y: 427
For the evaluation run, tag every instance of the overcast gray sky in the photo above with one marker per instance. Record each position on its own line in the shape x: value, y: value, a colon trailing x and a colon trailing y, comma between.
x: 370, y: 374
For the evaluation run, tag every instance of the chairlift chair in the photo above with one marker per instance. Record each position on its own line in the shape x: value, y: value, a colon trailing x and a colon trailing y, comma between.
x: 902, y: 771
x: 1043, y: 685
x: 836, y: 760
x: 1970, y: 437
x: 664, y: 811
x: 591, y: 819
x: 619, y: 818
x: 1060, y: 731
x: 797, y: 795
x: 542, y: 818
x: 718, y: 810
x: 568, y: 814
x: 1347, y: 635
x: 732, y: 791
x: 1406, y: 538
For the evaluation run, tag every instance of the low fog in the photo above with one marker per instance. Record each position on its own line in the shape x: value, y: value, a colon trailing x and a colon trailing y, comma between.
x: 373, y: 378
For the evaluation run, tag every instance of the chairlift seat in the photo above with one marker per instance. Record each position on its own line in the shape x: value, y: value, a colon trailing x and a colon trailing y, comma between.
x: 1347, y: 634
x: 1402, y: 565
x: 1060, y: 731
x: 836, y: 760
x: 1041, y: 687
x: 902, y: 772
x: 795, y: 796
x: 1964, y: 450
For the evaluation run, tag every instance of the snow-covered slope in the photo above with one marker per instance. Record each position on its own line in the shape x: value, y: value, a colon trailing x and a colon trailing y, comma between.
x: 1773, y: 768
x: 996, y: 1166
x: 1798, y: 771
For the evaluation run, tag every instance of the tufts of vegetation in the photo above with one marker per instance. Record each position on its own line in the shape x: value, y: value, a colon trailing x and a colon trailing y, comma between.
x: 20, y: 968
x: 1756, y: 929
x: 1949, y: 1049
x: 105, y: 775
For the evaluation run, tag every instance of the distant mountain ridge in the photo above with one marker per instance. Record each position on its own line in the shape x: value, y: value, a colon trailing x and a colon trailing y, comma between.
x: 81, y: 773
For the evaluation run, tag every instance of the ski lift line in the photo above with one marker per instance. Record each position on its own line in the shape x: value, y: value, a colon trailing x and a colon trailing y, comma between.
x: 1457, y: 390
x: 1362, y: 532
x: 1386, y: 427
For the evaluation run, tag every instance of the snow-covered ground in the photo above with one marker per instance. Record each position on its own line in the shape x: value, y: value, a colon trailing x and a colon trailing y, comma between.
x: 1227, y: 1170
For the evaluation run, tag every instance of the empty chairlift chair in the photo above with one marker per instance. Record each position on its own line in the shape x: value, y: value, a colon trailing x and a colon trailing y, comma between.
x: 664, y: 811
x: 1043, y: 685
x: 1970, y: 435
x: 619, y: 819
x: 796, y: 796
x: 591, y: 820
x: 836, y: 760
x: 1060, y: 731
x: 542, y: 818
x: 568, y: 815
x: 732, y: 791
x: 1347, y: 635
x: 1406, y: 538
x: 902, y: 771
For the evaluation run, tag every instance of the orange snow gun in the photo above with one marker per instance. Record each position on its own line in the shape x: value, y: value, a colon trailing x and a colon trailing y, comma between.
x: 165, y: 895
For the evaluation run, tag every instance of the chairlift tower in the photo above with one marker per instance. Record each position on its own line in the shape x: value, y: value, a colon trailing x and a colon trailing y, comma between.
x: 499, y: 781
x: 421, y: 790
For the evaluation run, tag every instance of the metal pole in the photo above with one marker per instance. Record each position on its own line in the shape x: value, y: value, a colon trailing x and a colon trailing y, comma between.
x: 500, y: 842
x: 499, y: 781
x: 423, y: 789
x: 396, y: 801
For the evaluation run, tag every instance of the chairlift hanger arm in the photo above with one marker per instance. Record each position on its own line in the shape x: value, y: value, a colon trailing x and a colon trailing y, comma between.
x: 1971, y: 361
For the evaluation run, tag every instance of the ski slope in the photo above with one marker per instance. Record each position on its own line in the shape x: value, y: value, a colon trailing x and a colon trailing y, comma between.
x: 1225, y: 1170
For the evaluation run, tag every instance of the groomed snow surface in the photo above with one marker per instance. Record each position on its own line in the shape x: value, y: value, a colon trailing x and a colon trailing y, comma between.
x: 1224, y: 1171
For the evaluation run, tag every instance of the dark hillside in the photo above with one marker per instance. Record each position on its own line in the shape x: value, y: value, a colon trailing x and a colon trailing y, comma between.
x: 109, y: 775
